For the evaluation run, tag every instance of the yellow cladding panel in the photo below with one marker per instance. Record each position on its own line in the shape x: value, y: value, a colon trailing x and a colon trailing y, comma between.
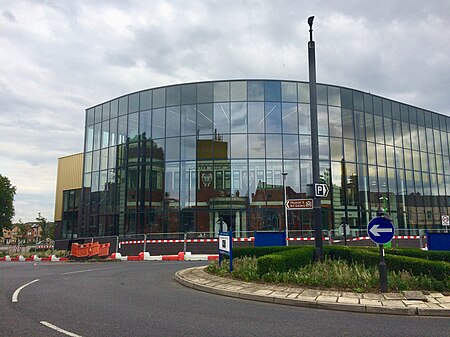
x: 70, y: 177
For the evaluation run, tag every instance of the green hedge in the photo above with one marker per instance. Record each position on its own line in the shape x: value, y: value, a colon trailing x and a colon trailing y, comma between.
x: 440, y: 270
x: 283, y: 261
x: 260, y: 251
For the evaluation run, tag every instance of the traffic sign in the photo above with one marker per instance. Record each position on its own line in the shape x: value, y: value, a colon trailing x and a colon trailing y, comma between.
x: 321, y: 190
x: 298, y: 204
x: 380, y: 230
x: 445, y: 220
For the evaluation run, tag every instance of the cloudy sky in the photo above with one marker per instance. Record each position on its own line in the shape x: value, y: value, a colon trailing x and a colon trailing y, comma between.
x: 60, y: 57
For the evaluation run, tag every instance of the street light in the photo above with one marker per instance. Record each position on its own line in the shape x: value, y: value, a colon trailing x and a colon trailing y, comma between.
x: 317, y: 212
x: 285, y: 210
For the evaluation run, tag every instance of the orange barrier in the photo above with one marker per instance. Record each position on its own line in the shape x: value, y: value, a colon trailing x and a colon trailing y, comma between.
x: 104, y: 249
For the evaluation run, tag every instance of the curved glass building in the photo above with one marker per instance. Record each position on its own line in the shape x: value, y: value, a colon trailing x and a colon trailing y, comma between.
x: 186, y: 157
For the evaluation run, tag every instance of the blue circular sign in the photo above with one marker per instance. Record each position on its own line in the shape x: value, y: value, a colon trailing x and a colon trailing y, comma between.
x: 380, y: 230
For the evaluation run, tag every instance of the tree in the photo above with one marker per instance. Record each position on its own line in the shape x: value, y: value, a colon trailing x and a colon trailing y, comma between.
x: 22, y: 230
x: 43, y: 224
x: 7, y: 192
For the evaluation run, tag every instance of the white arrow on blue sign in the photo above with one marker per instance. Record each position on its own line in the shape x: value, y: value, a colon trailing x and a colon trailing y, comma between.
x: 380, y: 230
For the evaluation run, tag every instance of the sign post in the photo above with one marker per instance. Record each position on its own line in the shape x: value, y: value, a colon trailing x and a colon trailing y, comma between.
x: 226, y: 247
x: 381, y: 231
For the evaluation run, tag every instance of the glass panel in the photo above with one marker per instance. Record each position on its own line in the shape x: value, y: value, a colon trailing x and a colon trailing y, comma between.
x: 222, y: 122
x: 133, y: 123
x: 346, y: 98
x: 158, y: 123
x: 324, y: 150
x: 349, y: 150
x: 336, y: 148
x: 123, y: 105
x: 347, y: 123
x: 238, y: 91
x: 145, y: 100
x: 188, y: 94
x: 371, y: 154
x: 159, y: 98
x: 173, y: 148
x: 289, y: 91
x: 255, y: 117
x: 406, y: 135
x: 388, y: 133
x: 272, y: 91
x: 368, y: 103
x: 360, y: 131
x: 305, y: 147
x: 221, y: 91
x: 322, y: 120
x: 239, y: 146
x: 334, y: 96
x: 105, y: 134
x: 289, y: 119
x: 173, y: 95
x: 204, y: 92
x: 105, y: 114
x: 238, y: 117
x: 398, y: 134
x: 272, y: 116
x: 256, y: 146
x: 114, y: 108
x: 145, y: 123
x: 273, y: 146
x: 90, y: 117
x: 358, y: 101
x: 97, y: 136
x: 370, y: 130
x: 255, y: 91
x: 390, y: 156
x: 290, y: 147
x: 98, y: 114
x: 321, y: 94
x: 89, y: 139
x: 188, y: 120
x: 134, y: 102
x: 335, y: 121
x: 304, y: 119
x: 173, y: 121
x: 399, y: 158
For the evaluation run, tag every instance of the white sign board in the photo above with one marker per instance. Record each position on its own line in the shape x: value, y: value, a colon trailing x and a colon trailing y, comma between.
x: 224, y: 243
x: 445, y: 220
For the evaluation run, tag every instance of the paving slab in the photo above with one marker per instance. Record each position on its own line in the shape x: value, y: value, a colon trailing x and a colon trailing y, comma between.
x: 406, y: 303
x: 414, y: 295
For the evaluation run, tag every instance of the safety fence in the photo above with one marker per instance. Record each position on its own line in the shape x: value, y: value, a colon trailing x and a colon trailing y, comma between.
x: 201, y: 242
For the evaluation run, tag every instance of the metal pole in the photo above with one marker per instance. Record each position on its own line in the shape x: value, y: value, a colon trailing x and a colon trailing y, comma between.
x: 286, y: 226
x: 317, y: 214
x: 383, y: 271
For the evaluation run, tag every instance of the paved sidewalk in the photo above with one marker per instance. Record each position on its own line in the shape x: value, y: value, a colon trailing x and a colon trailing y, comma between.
x: 405, y: 303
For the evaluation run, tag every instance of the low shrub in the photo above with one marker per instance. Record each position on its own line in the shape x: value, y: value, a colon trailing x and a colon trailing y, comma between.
x: 286, y: 260
x: 260, y: 251
x: 439, y: 270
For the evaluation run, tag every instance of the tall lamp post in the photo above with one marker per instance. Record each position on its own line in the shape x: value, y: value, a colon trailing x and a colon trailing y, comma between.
x: 284, y: 208
x: 317, y: 213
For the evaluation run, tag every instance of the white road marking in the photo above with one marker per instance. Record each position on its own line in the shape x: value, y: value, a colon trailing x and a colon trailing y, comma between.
x: 84, y: 271
x: 16, y: 293
x: 54, y: 327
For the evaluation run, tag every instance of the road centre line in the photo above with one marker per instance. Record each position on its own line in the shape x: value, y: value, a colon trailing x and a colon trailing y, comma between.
x: 85, y: 271
x: 16, y: 293
x: 54, y: 327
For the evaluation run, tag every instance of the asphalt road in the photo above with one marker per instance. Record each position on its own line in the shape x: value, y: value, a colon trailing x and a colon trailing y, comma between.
x: 142, y: 299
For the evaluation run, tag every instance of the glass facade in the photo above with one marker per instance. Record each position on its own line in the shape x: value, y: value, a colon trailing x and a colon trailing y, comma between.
x: 182, y: 157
